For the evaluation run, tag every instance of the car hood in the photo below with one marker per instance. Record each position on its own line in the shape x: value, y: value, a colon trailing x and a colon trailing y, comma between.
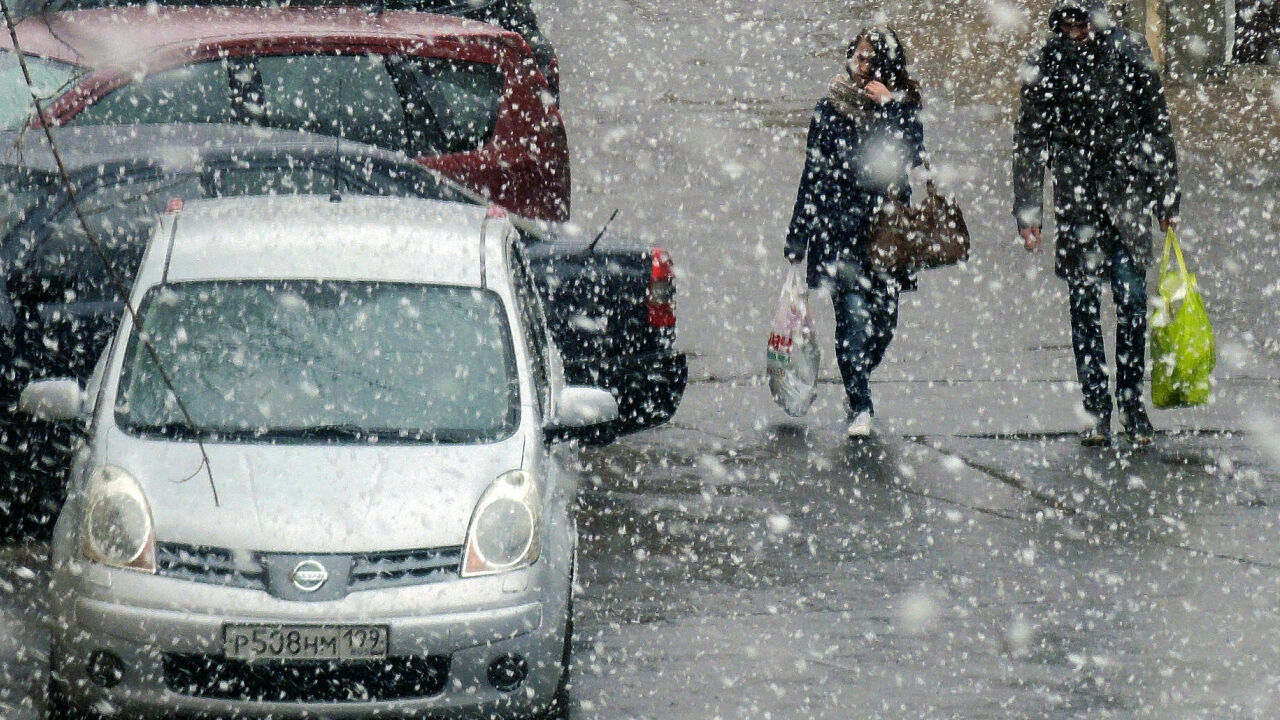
x: 312, y: 498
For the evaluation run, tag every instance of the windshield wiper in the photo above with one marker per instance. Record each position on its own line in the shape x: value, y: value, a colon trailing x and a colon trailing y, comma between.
x: 331, y: 431
x: 177, y: 429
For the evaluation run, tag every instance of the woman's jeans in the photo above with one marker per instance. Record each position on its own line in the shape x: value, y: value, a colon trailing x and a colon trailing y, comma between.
x: 866, y: 316
x: 1129, y: 290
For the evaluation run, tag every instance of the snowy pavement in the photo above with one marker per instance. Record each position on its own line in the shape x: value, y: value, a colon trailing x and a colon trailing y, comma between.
x: 972, y: 560
x: 738, y: 565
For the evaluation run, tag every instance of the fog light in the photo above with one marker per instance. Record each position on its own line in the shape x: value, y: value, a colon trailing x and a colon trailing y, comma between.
x: 508, y: 672
x: 105, y: 668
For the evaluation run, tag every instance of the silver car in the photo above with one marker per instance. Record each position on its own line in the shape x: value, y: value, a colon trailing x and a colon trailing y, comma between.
x: 322, y: 473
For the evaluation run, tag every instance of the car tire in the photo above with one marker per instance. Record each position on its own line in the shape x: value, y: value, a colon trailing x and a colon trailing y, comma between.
x: 558, y: 708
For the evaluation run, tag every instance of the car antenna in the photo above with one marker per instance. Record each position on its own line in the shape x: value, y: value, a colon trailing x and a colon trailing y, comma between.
x: 591, y: 248
x: 334, y: 195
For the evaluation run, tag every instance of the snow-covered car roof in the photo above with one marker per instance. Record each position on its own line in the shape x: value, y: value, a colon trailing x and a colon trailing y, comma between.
x: 124, y: 37
x: 309, y: 236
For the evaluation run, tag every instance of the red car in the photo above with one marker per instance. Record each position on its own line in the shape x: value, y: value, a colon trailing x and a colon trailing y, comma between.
x: 463, y: 97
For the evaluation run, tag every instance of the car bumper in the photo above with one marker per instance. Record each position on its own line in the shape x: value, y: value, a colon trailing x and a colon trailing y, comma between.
x: 648, y: 387
x: 171, y: 650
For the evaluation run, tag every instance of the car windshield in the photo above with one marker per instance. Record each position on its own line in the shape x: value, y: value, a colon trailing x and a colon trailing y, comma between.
x: 313, y: 361
x: 49, y: 76
x: 417, y: 105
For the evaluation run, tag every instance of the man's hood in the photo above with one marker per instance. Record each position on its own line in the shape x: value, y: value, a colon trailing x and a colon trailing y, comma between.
x: 1096, y: 10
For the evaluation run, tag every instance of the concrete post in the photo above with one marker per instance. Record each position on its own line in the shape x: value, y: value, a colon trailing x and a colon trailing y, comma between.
x: 1147, y: 18
x: 1200, y: 35
x: 1188, y: 38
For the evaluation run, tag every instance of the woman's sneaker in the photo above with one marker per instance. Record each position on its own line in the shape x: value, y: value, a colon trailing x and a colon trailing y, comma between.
x: 1098, y: 434
x: 859, y: 425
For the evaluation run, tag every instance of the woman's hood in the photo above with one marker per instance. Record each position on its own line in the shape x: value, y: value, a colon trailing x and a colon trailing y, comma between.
x: 1096, y: 10
x: 312, y: 498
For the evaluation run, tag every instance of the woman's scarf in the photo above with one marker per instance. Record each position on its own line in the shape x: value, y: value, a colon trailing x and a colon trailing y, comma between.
x: 849, y: 99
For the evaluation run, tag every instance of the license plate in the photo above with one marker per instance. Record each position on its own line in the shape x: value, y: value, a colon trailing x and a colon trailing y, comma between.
x: 305, y: 642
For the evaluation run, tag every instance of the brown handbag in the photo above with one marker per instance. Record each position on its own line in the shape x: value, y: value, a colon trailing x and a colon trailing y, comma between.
x: 906, y: 238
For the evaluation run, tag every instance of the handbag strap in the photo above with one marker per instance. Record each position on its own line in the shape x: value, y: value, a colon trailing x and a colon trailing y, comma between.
x: 930, y: 188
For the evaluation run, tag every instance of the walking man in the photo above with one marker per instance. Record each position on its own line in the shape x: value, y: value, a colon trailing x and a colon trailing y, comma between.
x: 1093, y: 110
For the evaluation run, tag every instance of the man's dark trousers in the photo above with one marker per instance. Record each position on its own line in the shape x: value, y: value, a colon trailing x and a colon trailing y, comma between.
x: 1129, y: 289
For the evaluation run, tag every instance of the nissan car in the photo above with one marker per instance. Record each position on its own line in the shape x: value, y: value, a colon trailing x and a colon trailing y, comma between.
x: 327, y: 471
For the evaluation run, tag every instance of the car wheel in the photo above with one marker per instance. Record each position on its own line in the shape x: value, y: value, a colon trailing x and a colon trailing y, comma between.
x: 558, y: 709
x: 558, y: 706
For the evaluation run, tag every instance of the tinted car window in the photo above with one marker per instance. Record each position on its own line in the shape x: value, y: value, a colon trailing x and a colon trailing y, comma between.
x: 49, y: 77
x: 351, y: 96
x: 452, y: 105
x: 422, y: 106
x: 308, y: 179
x: 193, y: 93
x: 315, y: 176
x: 311, y: 360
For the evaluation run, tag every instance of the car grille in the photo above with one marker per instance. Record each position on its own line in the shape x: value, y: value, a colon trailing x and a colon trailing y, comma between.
x: 414, y: 567
x: 369, y: 571
x: 217, y: 566
x: 395, y: 678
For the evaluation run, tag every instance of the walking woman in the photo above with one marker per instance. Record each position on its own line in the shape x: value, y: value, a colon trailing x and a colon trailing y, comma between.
x: 864, y: 138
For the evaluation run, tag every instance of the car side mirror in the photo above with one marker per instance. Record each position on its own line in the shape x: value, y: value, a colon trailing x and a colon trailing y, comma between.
x: 52, y: 400
x: 583, y: 413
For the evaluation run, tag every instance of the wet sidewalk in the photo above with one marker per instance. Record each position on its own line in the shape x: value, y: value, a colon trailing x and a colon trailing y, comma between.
x: 739, y: 564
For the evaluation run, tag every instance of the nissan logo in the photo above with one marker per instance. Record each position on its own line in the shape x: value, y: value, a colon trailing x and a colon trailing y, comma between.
x: 308, y: 576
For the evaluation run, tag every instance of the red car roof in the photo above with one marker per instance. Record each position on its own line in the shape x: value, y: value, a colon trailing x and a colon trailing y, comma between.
x: 124, y: 36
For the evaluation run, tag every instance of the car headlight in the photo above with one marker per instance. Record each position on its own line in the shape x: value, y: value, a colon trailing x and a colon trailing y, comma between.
x: 117, y: 524
x: 506, y: 527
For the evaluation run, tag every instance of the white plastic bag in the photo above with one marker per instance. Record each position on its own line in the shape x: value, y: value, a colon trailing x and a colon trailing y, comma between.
x: 793, y: 358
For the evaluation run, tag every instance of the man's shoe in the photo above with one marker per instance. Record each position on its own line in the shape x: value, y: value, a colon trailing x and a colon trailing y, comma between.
x: 1138, y: 427
x: 1098, y: 434
x: 859, y: 425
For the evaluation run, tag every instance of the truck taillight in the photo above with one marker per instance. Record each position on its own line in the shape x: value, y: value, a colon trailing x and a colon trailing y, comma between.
x: 662, y: 291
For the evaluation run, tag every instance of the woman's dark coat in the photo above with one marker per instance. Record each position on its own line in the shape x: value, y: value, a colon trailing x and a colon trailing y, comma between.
x: 1097, y: 117
x: 849, y: 168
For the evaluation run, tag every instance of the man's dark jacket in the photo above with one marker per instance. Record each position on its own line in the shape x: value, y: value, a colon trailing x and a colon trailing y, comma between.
x: 1097, y: 116
x: 849, y: 168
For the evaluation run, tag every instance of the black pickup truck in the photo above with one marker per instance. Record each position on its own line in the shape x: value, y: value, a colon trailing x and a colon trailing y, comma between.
x: 610, y: 305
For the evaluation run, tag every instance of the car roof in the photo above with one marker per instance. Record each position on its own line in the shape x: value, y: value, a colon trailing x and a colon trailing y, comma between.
x: 311, y: 237
x: 176, y: 145
x: 118, y: 37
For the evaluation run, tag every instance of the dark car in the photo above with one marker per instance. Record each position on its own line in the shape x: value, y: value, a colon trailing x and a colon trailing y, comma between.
x: 611, y: 308
x: 462, y: 97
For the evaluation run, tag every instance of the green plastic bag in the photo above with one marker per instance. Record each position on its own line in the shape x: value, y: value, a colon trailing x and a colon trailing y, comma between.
x: 1182, y: 349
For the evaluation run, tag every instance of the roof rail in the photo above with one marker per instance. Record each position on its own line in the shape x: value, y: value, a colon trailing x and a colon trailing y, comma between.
x: 495, y: 212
